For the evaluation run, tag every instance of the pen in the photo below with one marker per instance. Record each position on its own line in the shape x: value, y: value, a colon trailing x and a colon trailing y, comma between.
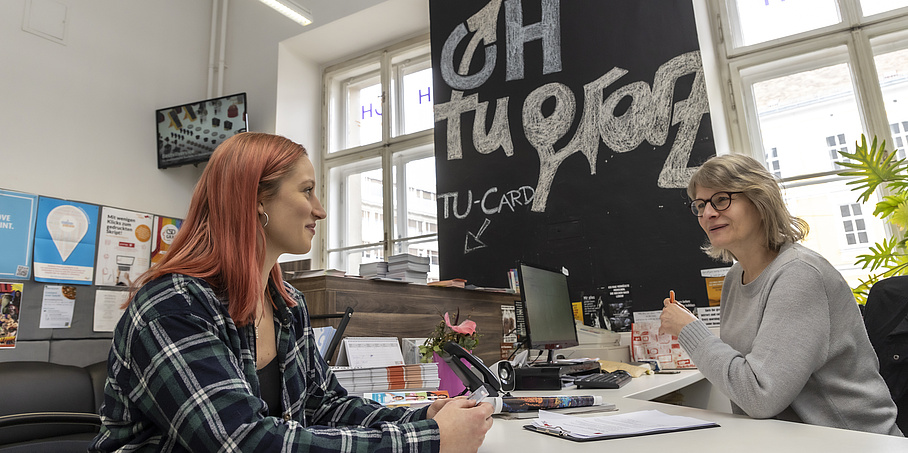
x: 671, y: 296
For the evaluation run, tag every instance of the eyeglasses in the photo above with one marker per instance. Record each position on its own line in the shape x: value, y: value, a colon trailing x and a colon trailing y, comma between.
x: 720, y: 201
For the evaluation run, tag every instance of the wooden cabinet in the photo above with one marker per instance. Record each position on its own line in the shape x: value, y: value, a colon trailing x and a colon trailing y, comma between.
x: 390, y: 309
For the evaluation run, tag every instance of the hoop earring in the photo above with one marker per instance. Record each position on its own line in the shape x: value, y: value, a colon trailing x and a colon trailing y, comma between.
x: 267, y: 219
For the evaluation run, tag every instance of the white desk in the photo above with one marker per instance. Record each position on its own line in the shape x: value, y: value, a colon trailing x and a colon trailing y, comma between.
x: 736, y: 433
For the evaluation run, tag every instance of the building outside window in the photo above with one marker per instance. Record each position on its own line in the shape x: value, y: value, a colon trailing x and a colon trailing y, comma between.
x: 805, y: 79
x: 380, y: 159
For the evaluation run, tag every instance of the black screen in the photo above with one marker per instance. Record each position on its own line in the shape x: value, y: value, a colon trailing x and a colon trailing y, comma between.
x: 189, y: 133
x: 547, y: 308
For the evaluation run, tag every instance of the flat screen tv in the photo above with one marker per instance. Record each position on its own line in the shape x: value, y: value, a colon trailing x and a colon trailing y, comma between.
x: 189, y: 133
x: 547, y: 313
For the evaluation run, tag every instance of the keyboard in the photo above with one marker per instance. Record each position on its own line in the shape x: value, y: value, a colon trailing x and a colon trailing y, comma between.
x: 614, y: 380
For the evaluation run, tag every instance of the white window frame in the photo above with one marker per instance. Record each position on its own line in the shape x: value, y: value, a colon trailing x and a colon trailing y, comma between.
x: 394, y: 149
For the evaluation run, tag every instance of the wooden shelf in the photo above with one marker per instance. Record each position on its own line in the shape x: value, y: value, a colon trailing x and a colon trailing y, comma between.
x: 391, y: 309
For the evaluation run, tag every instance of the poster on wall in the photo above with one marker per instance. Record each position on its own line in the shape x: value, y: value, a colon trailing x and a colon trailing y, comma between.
x: 124, y: 246
x: 65, y: 238
x: 17, y: 229
x: 10, y: 304
x: 108, y: 309
x: 165, y: 229
x: 57, y: 307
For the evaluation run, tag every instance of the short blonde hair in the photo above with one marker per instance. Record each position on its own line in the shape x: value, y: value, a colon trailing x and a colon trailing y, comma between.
x: 740, y: 173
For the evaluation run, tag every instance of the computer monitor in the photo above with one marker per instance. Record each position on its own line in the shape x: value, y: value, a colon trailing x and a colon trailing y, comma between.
x: 189, y: 133
x: 548, y: 317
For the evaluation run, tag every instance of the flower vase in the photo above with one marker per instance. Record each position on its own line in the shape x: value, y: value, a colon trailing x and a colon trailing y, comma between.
x: 447, y: 379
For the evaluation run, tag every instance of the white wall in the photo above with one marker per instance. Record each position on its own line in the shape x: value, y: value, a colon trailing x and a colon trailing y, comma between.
x: 77, y: 120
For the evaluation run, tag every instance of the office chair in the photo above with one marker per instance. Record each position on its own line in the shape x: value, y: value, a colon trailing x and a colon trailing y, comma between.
x: 47, y: 407
x: 886, y: 320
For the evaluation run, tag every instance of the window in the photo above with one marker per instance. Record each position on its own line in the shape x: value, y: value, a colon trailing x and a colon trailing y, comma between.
x: 380, y: 159
x: 806, y: 79
x: 853, y: 222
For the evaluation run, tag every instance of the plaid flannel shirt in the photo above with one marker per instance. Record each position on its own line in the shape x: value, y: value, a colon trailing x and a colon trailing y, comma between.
x: 182, y: 378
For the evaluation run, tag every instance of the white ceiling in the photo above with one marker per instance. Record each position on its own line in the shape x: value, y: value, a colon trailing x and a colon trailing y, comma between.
x: 343, y: 28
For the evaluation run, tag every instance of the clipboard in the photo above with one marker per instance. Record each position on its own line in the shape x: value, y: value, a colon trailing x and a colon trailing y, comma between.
x: 654, y: 428
x: 558, y: 432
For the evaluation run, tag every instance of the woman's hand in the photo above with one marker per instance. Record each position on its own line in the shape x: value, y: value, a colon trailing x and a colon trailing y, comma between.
x: 462, y: 425
x: 674, y: 317
x: 437, y: 405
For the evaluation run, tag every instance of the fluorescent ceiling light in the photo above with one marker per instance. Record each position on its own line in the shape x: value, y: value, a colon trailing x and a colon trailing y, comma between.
x: 291, y: 9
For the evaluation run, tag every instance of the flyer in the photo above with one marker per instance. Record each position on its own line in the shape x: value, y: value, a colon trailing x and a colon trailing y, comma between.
x: 107, y: 309
x: 124, y: 246
x: 166, y: 229
x: 65, y: 238
x: 10, y: 303
x: 17, y: 233
x: 57, y: 307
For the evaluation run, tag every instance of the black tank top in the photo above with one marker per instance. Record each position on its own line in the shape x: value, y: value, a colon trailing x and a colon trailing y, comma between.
x: 270, y: 387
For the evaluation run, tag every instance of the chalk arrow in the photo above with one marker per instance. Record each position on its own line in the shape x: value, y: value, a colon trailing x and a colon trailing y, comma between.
x: 475, y: 244
x: 484, y: 24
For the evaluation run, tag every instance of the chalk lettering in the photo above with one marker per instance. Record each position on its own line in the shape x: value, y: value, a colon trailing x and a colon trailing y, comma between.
x: 548, y: 30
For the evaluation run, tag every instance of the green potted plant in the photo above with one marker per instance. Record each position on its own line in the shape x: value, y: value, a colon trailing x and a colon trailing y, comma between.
x: 464, y: 334
x: 875, y: 167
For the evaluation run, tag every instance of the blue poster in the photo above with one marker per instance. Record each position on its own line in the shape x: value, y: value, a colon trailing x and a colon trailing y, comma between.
x: 17, y: 229
x: 65, y: 240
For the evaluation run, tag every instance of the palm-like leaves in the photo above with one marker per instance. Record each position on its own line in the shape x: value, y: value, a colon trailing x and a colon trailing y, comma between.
x: 873, y: 167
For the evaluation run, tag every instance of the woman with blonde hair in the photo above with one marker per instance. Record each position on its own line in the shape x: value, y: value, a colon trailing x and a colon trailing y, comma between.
x: 793, y: 345
x: 216, y: 352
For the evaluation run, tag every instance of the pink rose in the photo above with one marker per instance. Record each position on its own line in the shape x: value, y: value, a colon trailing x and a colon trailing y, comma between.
x: 467, y: 327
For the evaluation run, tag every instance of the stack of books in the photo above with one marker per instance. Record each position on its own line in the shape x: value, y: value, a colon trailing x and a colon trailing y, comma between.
x: 378, y: 269
x: 409, y: 268
x: 418, y: 377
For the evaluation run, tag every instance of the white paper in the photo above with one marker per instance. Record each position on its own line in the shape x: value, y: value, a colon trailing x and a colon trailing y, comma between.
x: 107, y: 309
x: 709, y: 315
x: 57, y: 307
x: 370, y: 352
x: 124, y: 248
x: 616, y: 425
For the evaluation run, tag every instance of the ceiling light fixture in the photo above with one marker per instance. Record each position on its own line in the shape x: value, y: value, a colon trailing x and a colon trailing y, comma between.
x: 291, y: 9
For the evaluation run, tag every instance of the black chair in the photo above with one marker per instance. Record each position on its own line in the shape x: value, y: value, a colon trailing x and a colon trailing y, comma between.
x: 47, y: 407
x: 886, y: 319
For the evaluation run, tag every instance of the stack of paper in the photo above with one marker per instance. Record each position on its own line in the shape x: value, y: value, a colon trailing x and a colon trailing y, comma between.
x: 378, y: 269
x: 409, y: 268
x: 423, y: 376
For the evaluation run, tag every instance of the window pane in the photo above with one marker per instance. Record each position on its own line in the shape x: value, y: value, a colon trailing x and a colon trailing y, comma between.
x: 872, y: 7
x: 357, y: 216
x: 805, y: 115
x: 765, y: 20
x: 823, y: 207
x: 416, y: 112
x: 416, y: 214
x: 364, y: 115
x: 349, y: 260
x: 892, y: 68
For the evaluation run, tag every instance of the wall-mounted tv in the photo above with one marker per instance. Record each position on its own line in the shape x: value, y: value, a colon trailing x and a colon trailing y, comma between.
x: 189, y: 133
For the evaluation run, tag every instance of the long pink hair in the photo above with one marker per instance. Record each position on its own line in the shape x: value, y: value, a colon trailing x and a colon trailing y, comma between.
x: 222, y: 239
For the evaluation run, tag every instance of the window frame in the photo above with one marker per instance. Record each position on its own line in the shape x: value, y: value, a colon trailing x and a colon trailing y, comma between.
x: 394, y: 149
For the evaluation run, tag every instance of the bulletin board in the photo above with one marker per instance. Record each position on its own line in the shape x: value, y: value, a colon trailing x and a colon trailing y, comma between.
x: 565, y: 135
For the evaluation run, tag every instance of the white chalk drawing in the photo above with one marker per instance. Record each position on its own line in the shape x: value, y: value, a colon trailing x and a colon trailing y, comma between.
x: 507, y: 201
x: 648, y: 118
x: 472, y: 241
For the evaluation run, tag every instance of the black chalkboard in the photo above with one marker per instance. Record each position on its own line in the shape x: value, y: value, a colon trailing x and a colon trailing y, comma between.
x: 565, y: 134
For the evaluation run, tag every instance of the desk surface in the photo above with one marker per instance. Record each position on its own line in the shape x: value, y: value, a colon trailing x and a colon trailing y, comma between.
x: 736, y: 433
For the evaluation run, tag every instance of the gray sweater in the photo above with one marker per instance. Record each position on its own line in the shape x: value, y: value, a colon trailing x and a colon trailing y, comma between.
x: 793, y: 346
